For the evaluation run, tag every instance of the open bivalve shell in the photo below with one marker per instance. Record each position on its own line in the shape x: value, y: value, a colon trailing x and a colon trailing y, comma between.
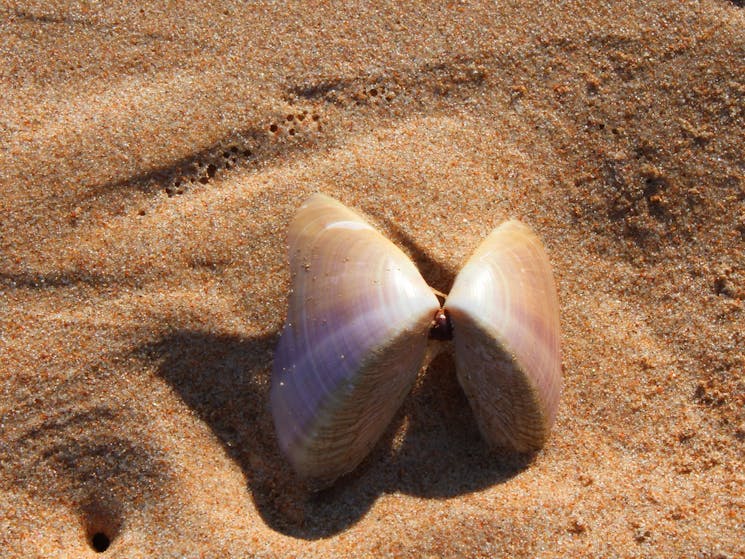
x: 505, y: 316
x: 357, y: 330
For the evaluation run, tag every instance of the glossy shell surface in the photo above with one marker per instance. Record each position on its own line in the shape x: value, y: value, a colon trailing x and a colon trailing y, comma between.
x: 505, y: 315
x: 357, y: 329
x: 353, y: 342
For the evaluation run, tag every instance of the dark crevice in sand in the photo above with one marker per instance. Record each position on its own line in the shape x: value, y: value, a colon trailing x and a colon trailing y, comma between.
x: 199, y: 167
x: 85, y: 23
x: 319, y: 90
x: 225, y: 380
x: 253, y: 147
x: 66, y: 419
x: 53, y: 280
x: 294, y: 133
x: 428, y: 88
x: 80, y: 453
x: 50, y: 18
x: 454, y: 77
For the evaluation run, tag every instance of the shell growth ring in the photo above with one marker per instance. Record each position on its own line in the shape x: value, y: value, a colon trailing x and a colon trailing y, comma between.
x: 359, y: 321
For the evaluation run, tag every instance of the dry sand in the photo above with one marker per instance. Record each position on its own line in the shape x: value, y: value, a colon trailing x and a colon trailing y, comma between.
x: 151, y: 157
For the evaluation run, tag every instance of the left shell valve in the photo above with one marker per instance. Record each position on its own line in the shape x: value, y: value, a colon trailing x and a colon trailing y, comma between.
x: 353, y: 342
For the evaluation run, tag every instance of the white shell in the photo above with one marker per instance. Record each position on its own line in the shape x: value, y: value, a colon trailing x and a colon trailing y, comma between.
x: 505, y: 316
x: 354, y: 340
x: 357, y: 330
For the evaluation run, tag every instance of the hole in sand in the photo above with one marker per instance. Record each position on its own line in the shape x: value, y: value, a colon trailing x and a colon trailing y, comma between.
x: 100, y: 542
x: 102, y: 522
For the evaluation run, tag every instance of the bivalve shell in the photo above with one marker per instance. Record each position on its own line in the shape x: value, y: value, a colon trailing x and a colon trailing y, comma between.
x: 505, y: 315
x: 359, y: 321
x: 354, y: 340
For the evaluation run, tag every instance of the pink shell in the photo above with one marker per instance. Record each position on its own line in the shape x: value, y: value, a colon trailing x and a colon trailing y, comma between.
x: 505, y: 315
x: 353, y: 342
x: 357, y: 330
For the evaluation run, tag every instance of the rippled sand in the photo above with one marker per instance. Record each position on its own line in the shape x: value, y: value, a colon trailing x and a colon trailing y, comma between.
x: 150, y: 161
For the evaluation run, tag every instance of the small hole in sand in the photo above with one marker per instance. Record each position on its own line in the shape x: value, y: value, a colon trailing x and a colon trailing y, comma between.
x: 273, y: 128
x: 211, y: 170
x: 316, y: 118
x: 373, y: 92
x: 100, y: 542
x: 290, y: 118
x: 291, y: 131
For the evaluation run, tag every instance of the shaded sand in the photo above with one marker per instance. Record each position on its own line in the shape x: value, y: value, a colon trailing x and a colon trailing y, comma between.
x: 150, y: 162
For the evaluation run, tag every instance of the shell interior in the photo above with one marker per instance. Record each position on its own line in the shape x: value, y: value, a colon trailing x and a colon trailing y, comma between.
x: 505, y: 316
x: 356, y: 333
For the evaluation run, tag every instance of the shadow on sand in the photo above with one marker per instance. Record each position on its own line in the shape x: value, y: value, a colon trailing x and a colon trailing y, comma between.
x: 226, y: 379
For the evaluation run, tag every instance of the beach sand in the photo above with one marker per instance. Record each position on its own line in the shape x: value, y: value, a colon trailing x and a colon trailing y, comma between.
x: 151, y: 158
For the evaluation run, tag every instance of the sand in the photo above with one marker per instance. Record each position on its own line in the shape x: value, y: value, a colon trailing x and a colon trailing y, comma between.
x: 151, y: 158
